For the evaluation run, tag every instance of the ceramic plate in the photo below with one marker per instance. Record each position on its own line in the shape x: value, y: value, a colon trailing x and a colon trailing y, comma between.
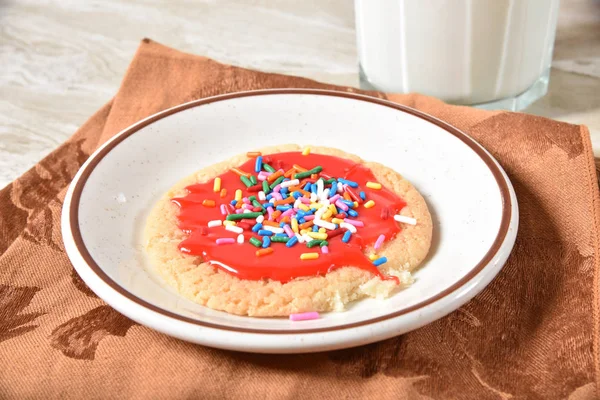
x: 471, y: 200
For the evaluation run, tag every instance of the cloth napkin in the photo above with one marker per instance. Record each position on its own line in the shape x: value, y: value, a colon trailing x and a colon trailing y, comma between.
x: 532, y: 333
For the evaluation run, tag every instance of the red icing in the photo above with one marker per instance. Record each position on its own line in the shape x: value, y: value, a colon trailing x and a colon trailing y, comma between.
x: 284, y: 263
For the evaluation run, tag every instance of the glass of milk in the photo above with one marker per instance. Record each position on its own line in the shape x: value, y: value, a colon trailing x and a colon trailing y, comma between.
x: 487, y: 53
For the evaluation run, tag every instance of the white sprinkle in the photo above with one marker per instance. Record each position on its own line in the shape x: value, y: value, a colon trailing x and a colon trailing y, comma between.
x: 348, y: 226
x: 120, y: 198
x: 320, y: 187
x: 262, y: 196
x: 300, y: 238
x: 213, y: 223
x: 234, y: 229
x: 324, y: 195
x: 324, y: 224
x: 406, y: 220
x: 297, y: 204
x: 306, y: 238
x: 240, y: 239
x: 260, y: 219
x: 293, y: 182
x: 246, y: 211
x: 320, y: 212
x: 272, y: 200
x: 313, y: 197
x: 273, y: 229
x: 340, y: 188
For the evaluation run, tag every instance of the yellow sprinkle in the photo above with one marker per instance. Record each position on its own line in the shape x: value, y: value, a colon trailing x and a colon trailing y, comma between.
x: 306, y: 151
x: 303, y: 231
x: 374, y: 185
x: 327, y: 214
x: 373, y: 256
x: 369, y: 204
x: 295, y: 225
x: 316, y: 205
x: 217, y: 185
x: 317, y: 235
x: 238, y: 194
x: 303, y: 207
x: 332, y: 209
x: 322, y: 230
x: 309, y: 256
x: 355, y: 204
x: 229, y: 223
x: 337, y: 220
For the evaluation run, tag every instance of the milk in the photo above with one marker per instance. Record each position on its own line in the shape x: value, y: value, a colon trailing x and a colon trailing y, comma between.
x: 462, y: 51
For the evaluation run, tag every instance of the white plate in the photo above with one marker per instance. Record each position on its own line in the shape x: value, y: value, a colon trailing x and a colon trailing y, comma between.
x: 472, y: 202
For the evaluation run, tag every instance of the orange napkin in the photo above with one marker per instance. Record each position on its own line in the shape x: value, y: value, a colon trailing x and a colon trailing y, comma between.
x: 532, y: 333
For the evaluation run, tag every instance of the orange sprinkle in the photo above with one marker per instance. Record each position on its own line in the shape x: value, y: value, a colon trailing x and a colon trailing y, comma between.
x: 347, y: 196
x: 314, y: 176
x: 304, y: 192
x: 273, y: 177
x: 223, y: 193
x: 306, y: 225
x: 290, y: 172
x: 299, y: 168
x: 285, y: 220
x: 208, y: 203
x: 276, y: 214
x: 240, y: 172
x: 288, y: 200
x: 270, y: 223
x: 253, y: 154
x: 264, y: 252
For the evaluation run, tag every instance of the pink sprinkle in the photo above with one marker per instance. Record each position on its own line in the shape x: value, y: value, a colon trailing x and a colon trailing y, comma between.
x: 270, y: 211
x: 262, y: 175
x: 379, y: 241
x: 277, y: 188
x: 304, y: 316
x: 304, y: 200
x: 288, y: 231
x: 286, y: 213
x: 334, y: 198
x: 324, y: 249
x: 341, y: 205
x: 223, y: 209
x: 277, y: 196
x: 247, y: 207
x: 309, y: 217
x: 239, y: 211
x: 225, y: 241
x: 354, y: 222
x: 246, y: 200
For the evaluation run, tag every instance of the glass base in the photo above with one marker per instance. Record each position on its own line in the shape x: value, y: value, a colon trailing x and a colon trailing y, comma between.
x: 516, y: 103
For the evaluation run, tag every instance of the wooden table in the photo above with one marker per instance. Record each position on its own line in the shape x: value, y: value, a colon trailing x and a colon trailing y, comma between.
x: 62, y: 60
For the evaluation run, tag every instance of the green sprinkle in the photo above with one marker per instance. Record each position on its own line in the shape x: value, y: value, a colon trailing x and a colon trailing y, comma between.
x: 266, y: 187
x: 237, y: 217
x: 255, y: 242
x: 277, y: 182
x: 255, y: 203
x: 324, y: 243
x: 246, y: 181
x: 308, y: 173
x: 268, y: 168
x: 330, y: 181
x: 314, y: 242
x: 253, y: 179
x: 252, y: 198
x: 279, y: 239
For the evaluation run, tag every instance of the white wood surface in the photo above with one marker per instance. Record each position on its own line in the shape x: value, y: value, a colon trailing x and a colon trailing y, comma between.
x: 61, y: 60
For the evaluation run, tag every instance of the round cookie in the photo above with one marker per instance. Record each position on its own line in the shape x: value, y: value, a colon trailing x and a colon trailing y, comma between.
x: 207, y: 285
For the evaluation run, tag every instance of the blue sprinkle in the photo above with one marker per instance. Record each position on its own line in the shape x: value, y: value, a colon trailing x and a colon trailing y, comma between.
x: 264, y: 232
x: 311, y: 211
x: 333, y: 189
x: 281, y: 235
x: 300, y: 213
x: 352, y: 213
x: 307, y: 186
x: 282, y: 224
x: 347, y: 202
x: 233, y: 202
x: 337, y: 226
x: 313, y: 189
x: 292, y: 241
x: 315, y: 228
x: 349, y: 183
x: 297, y: 195
x: 265, y: 205
x: 258, y: 164
x: 363, y: 196
x: 266, y: 242
x: 257, y: 227
x: 284, y: 192
x: 379, y: 261
x: 301, y: 220
x: 283, y: 208
x: 346, y: 237
x: 269, y: 197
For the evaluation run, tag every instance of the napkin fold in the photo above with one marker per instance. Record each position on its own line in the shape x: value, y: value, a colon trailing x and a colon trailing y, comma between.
x: 532, y: 333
